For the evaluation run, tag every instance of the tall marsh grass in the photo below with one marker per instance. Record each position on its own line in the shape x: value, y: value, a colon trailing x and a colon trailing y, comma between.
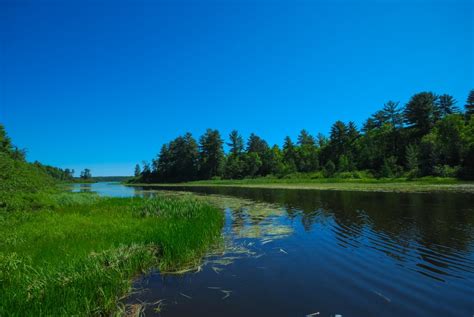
x: 80, y: 258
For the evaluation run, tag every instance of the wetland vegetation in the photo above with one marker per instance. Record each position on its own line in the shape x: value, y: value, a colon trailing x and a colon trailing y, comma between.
x: 66, y: 254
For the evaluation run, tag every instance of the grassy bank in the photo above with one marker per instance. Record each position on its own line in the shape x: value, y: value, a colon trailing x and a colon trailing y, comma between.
x: 429, y: 184
x: 79, y: 259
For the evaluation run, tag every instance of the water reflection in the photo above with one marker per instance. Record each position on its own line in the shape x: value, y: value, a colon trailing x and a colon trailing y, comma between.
x: 291, y: 252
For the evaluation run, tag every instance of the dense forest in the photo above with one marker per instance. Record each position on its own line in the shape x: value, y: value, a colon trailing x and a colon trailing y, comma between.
x: 429, y: 135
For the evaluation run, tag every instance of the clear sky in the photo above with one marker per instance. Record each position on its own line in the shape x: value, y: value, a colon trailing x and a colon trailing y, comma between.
x: 104, y: 84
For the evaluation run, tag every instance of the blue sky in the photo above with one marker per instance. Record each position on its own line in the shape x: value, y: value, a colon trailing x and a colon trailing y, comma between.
x: 103, y: 84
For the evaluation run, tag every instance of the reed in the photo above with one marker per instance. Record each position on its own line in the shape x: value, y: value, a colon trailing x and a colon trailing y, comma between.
x: 80, y: 258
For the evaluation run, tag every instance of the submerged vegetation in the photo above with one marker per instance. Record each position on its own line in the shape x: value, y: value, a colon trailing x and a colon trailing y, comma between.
x: 429, y: 136
x: 70, y: 254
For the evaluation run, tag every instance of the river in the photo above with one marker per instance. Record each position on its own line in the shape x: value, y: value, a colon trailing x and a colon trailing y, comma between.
x: 293, y: 252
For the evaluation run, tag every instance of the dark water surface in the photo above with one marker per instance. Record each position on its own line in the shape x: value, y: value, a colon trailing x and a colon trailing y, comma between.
x: 299, y: 252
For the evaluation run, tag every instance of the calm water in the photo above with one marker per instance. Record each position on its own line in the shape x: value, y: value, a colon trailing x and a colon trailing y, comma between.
x: 300, y: 252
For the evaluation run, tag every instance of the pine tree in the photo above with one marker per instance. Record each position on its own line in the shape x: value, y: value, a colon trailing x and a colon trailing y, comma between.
x: 392, y: 114
x: 137, y: 171
x: 470, y: 104
x: 304, y: 138
x: 211, y: 154
x: 446, y: 106
x: 420, y: 112
x: 289, y: 155
x: 236, y: 143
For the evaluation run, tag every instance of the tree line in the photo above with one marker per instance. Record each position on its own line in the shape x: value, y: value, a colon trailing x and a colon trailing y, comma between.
x: 10, y: 151
x: 429, y: 135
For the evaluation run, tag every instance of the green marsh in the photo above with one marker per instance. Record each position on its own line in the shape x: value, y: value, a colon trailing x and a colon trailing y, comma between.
x: 80, y: 258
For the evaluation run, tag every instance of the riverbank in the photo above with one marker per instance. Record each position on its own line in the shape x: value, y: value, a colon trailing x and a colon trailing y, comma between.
x: 430, y: 184
x: 79, y: 258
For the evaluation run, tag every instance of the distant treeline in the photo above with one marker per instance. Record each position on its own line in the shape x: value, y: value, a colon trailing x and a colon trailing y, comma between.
x: 111, y: 178
x: 56, y: 172
x: 430, y: 135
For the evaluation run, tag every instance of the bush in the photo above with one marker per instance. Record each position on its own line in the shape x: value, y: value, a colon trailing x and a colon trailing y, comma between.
x: 345, y: 175
x: 446, y: 170
x: 362, y: 174
x: 329, y: 169
x: 390, y: 168
x: 23, y: 186
x: 317, y: 175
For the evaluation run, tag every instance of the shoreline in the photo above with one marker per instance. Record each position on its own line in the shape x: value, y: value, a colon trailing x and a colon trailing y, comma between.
x: 390, y: 187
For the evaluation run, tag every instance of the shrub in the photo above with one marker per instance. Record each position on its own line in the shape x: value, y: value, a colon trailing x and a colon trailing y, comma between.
x: 329, y: 169
x: 446, y: 170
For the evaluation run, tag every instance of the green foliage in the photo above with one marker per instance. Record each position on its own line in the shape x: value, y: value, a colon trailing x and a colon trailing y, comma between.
x: 412, y: 159
x: 80, y: 250
x: 307, y: 154
x: 252, y: 164
x: 59, y: 174
x: 84, y: 255
x: 234, y: 167
x: 86, y: 174
x: 177, y: 161
x: 329, y: 169
x: 258, y: 146
x: 446, y: 171
x: 211, y: 154
x: 236, y: 143
x: 289, y: 156
x: 470, y: 105
x: 428, y: 124
x: 446, y: 105
x: 23, y: 186
x: 137, y: 171
x: 343, y: 165
x: 7, y: 147
x: 390, y: 168
x: 420, y: 112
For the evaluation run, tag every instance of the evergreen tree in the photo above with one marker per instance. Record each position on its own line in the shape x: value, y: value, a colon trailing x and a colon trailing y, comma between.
x: 322, y: 140
x: 420, y: 112
x: 236, y: 143
x: 304, y: 138
x: 392, y: 114
x: 446, y: 105
x: 162, y: 164
x: 234, y: 164
x: 260, y: 147
x: 289, y: 155
x: 470, y: 104
x: 137, y: 171
x: 86, y: 174
x: 177, y: 160
x: 307, y: 155
x: 211, y: 154
x: 338, y: 141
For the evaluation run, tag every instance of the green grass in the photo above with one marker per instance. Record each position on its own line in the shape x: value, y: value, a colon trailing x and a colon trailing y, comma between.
x: 80, y: 258
x: 425, y: 184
